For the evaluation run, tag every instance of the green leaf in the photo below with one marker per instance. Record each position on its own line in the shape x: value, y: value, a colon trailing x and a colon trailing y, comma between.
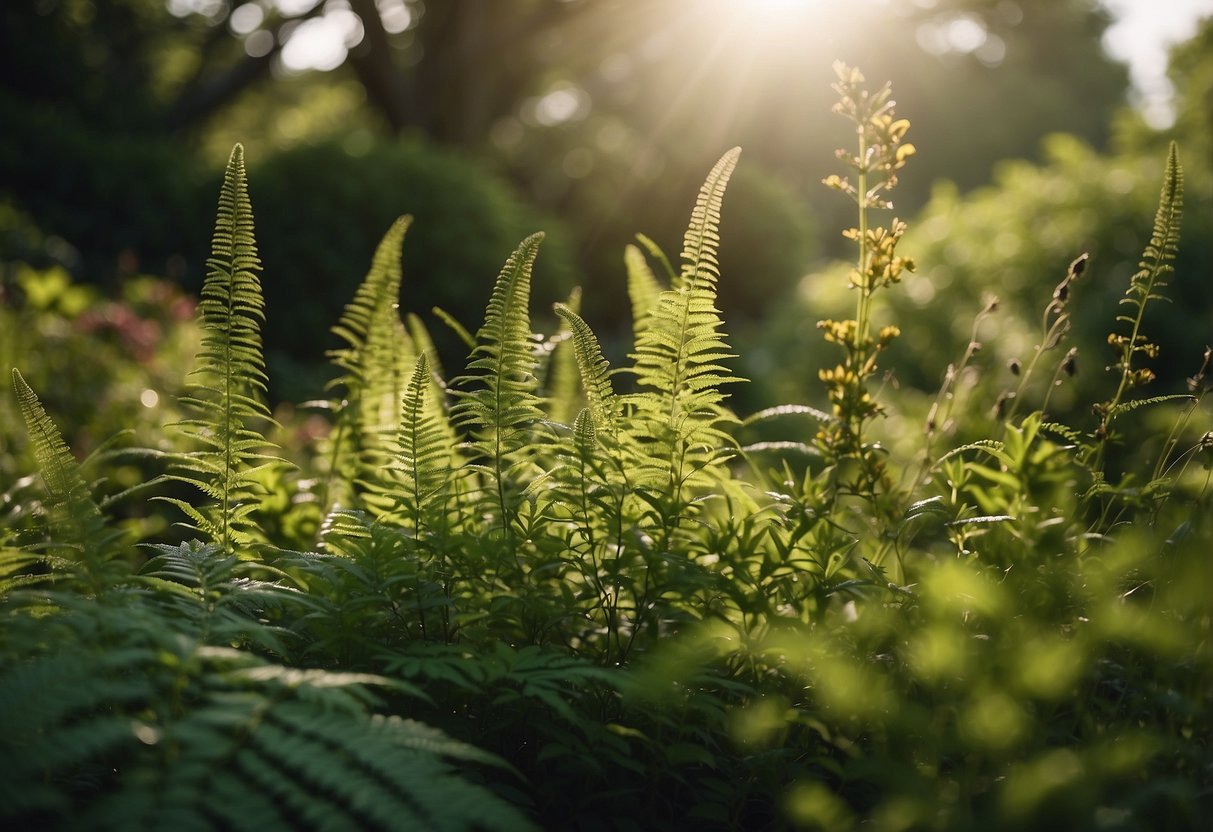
x: 227, y: 385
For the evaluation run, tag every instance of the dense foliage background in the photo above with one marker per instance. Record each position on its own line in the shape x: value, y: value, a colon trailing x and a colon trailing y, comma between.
x: 945, y: 568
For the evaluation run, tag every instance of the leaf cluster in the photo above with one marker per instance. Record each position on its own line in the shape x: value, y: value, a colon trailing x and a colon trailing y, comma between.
x: 549, y: 590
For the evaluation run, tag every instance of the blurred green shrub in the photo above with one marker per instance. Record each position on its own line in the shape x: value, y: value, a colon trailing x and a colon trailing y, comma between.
x: 109, y: 195
x: 1014, y: 239
x: 322, y: 207
x: 768, y: 243
x: 105, y: 364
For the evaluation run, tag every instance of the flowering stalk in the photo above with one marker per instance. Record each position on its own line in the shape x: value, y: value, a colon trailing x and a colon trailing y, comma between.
x: 880, y: 155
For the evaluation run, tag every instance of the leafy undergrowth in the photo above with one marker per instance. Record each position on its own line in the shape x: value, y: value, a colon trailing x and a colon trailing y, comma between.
x: 548, y: 593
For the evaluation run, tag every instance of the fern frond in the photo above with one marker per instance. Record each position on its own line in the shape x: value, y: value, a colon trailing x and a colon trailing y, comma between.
x: 503, y: 406
x: 386, y: 358
x: 227, y: 385
x: 58, y: 467
x: 657, y: 254
x: 643, y: 289
x: 1064, y: 431
x: 1133, y: 404
x: 562, y: 377
x: 424, y: 344
x: 990, y: 446
x: 1160, y: 252
x: 81, y: 536
x: 459, y: 329
x: 699, y: 245
x: 1155, y: 265
x: 95, y: 733
x: 787, y: 410
x: 421, y: 468
x: 377, y: 360
x: 380, y: 288
x: 592, y: 367
x: 1153, y: 268
x: 678, y: 355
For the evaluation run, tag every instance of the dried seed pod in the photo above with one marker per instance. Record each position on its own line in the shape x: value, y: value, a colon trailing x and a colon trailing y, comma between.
x: 1069, y: 364
x: 1078, y: 266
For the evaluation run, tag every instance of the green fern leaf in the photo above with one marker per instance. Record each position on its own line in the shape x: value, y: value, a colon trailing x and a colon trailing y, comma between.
x: 503, y: 407
x: 95, y: 733
x: 787, y: 410
x: 1133, y: 404
x: 592, y: 367
x: 678, y: 355
x: 421, y: 468
x: 227, y: 385
x: 562, y: 387
x: 657, y: 254
x: 1160, y: 253
x: 380, y: 289
x: 643, y: 289
x: 58, y: 467
x: 455, y: 327
x: 377, y: 359
x: 424, y: 345
x: 81, y: 536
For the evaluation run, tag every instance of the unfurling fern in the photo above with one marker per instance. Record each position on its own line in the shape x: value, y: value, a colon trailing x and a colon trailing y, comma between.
x: 504, y: 406
x: 227, y: 386
x: 82, y: 541
x: 679, y: 353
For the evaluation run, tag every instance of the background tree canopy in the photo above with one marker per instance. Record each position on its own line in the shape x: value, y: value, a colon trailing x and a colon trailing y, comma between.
x: 589, y: 119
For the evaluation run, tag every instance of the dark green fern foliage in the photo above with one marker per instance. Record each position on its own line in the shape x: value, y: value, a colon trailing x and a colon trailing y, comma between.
x: 82, y: 544
x: 587, y: 601
x: 151, y: 728
x: 227, y: 386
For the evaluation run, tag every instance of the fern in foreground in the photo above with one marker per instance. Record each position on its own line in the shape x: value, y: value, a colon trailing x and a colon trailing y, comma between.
x: 82, y: 540
x: 151, y: 729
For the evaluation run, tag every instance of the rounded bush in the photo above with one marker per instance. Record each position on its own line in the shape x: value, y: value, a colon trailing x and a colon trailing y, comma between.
x: 321, y: 210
